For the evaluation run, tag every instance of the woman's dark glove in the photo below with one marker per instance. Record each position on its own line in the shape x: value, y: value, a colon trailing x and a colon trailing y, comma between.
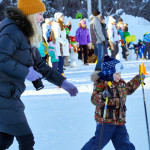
x: 70, y: 88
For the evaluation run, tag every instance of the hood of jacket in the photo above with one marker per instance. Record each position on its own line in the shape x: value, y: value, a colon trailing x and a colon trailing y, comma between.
x: 16, y: 16
x: 92, y: 18
x: 95, y: 77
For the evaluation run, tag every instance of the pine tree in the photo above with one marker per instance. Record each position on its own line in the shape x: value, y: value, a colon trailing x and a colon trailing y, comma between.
x: 3, y: 5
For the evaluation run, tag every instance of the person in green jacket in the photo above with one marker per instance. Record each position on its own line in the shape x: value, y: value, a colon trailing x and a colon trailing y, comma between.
x: 79, y: 15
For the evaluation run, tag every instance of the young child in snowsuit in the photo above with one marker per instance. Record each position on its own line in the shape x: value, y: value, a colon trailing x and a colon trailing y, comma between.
x: 114, y: 127
x: 141, y: 49
x: 83, y: 38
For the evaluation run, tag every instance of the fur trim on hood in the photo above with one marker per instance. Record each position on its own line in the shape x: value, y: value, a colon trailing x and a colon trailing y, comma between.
x: 21, y: 21
x: 95, y: 76
x: 92, y: 17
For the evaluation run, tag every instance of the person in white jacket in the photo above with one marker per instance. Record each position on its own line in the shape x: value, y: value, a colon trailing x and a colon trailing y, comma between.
x: 62, y: 44
x: 46, y: 29
x: 113, y: 37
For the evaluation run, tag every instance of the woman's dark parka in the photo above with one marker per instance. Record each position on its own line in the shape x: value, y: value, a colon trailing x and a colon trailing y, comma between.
x: 16, y: 56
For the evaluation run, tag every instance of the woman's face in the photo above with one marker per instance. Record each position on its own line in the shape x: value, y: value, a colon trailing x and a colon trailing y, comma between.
x: 39, y: 17
x: 62, y: 19
x: 117, y: 77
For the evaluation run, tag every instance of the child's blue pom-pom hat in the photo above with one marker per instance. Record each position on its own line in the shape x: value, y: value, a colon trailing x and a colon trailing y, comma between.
x: 111, y: 66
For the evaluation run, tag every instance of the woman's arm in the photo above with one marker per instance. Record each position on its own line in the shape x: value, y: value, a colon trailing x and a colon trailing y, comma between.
x: 8, y: 45
x: 47, y: 72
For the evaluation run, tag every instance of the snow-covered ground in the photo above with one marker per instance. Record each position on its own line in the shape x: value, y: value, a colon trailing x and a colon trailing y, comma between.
x: 60, y: 122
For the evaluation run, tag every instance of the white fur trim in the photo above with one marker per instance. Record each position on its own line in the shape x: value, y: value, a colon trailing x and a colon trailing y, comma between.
x: 95, y: 76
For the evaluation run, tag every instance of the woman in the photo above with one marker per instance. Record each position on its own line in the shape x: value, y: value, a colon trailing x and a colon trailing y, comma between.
x: 102, y: 21
x: 83, y: 38
x: 113, y: 37
x: 62, y: 44
x: 19, y: 37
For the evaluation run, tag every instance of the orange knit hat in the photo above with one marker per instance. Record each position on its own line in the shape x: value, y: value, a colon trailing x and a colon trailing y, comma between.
x: 31, y: 6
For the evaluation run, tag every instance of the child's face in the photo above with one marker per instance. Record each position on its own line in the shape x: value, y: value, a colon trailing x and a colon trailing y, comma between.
x: 117, y: 77
x: 83, y: 25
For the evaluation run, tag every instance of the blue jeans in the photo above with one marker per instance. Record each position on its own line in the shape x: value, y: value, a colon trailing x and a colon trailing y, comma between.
x: 61, y: 64
x: 99, y: 51
x: 55, y: 65
x: 116, y: 133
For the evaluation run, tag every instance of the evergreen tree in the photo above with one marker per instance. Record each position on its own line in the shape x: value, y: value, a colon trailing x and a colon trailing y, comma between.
x: 3, y: 5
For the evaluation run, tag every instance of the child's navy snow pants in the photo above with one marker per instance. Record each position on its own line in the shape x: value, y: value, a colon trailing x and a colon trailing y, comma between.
x: 116, y: 133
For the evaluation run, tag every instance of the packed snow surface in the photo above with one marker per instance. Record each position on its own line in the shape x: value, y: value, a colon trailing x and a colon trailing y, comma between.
x: 60, y: 122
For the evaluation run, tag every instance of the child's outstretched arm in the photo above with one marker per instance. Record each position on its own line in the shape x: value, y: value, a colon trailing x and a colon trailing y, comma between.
x: 133, y: 84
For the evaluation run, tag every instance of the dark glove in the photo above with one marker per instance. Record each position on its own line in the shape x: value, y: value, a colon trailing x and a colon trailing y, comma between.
x: 33, y: 74
x: 70, y: 88
x: 142, y: 76
x: 106, y: 94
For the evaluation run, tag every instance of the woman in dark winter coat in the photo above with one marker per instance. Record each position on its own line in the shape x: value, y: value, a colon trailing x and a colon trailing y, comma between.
x: 19, y: 37
x: 102, y: 21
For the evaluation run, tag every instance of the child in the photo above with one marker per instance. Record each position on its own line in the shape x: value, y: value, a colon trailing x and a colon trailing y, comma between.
x: 114, y: 127
x: 125, y: 27
x: 53, y: 55
x: 83, y: 38
x: 136, y: 48
x: 141, y: 49
x: 41, y: 50
x: 113, y: 37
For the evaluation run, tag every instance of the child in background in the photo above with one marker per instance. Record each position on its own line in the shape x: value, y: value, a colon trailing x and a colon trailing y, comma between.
x: 125, y: 27
x: 42, y: 52
x: 114, y: 127
x: 136, y: 48
x: 141, y: 49
x: 53, y: 55
x: 68, y: 29
x: 83, y: 39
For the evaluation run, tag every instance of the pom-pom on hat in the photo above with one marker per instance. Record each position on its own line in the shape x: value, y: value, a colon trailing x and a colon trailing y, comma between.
x: 58, y: 15
x: 111, y: 66
x: 31, y: 6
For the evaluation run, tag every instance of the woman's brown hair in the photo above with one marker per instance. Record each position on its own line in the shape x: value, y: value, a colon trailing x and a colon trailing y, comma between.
x: 62, y: 26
